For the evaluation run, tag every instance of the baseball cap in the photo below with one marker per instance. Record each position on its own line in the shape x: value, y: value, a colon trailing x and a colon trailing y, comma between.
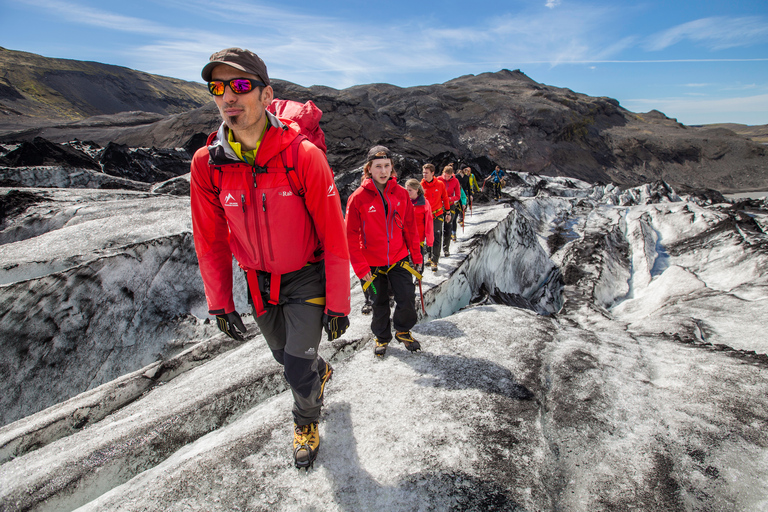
x: 378, y: 152
x: 244, y: 60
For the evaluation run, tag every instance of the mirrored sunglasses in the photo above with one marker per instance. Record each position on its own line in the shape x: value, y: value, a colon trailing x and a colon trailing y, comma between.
x: 238, y: 86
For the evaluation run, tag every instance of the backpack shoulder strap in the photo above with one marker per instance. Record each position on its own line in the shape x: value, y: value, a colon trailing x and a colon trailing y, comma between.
x: 290, y: 167
x: 217, y: 183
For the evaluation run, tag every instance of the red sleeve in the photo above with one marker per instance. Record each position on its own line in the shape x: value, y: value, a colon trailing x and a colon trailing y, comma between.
x: 355, y: 237
x: 455, y: 191
x: 324, y: 206
x: 444, y: 198
x: 211, y: 234
x: 429, y: 227
x: 410, y: 233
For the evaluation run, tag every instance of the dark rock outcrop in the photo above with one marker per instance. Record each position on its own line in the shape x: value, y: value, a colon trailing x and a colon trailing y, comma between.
x: 41, y: 152
x: 145, y: 165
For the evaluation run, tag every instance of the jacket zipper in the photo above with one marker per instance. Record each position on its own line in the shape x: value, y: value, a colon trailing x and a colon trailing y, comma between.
x: 386, y: 218
x: 247, y: 224
x: 266, y: 222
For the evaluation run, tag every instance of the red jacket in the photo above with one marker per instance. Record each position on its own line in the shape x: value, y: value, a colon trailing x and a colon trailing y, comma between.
x: 452, y: 188
x: 253, y: 214
x: 377, y: 239
x: 436, y: 195
x: 422, y: 213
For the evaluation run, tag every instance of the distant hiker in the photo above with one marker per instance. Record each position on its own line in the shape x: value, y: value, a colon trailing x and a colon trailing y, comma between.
x: 497, y: 180
x: 473, y: 186
x: 261, y: 192
x: 453, y: 189
x: 381, y: 233
x: 422, y: 213
x: 463, y: 177
x: 437, y: 197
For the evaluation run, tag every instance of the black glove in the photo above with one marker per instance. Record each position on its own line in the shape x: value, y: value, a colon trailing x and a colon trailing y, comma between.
x: 420, y: 268
x: 335, y: 326
x: 232, y: 325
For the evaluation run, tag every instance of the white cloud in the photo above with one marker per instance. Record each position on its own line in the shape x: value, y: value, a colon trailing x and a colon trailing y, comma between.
x: 553, y: 3
x: 86, y: 15
x: 717, y: 33
x: 340, y: 53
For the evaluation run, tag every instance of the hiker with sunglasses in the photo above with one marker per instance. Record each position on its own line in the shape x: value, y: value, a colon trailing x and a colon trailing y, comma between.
x: 261, y: 192
x: 381, y: 233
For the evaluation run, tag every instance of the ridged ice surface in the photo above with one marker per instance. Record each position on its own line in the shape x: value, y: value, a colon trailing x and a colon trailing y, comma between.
x: 584, y: 348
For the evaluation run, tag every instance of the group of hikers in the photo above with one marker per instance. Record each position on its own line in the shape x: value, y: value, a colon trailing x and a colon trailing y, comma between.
x: 263, y: 193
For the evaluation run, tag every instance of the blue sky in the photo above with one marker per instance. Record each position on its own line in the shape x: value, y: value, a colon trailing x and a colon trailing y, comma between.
x: 698, y: 61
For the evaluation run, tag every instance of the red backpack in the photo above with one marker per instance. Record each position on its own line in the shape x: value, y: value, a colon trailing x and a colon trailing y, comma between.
x: 307, y: 116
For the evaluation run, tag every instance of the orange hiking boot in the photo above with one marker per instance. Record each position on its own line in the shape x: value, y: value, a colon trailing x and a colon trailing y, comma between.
x: 306, y: 442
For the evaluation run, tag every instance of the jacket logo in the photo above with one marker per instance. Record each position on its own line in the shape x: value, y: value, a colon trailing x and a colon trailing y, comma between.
x: 372, y: 209
x: 286, y: 193
x: 331, y: 192
x: 229, y: 200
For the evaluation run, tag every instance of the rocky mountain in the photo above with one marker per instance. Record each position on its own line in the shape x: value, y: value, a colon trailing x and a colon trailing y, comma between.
x: 502, y: 118
x: 40, y: 91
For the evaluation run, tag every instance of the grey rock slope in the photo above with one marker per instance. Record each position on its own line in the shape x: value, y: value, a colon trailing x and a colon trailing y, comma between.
x: 502, y: 118
x: 646, y: 389
x: 41, y: 91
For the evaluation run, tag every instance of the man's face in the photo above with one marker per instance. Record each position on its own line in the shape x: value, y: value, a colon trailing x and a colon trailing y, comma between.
x: 241, y: 112
x: 381, y: 170
x: 427, y: 174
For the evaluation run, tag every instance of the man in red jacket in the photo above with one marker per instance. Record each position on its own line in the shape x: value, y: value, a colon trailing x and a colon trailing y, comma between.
x: 381, y: 233
x: 434, y: 191
x: 453, y: 189
x: 284, y: 229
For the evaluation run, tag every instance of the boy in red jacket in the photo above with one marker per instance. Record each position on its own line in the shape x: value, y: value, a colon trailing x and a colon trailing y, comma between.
x: 453, y: 189
x: 291, y: 244
x: 434, y: 191
x: 381, y: 234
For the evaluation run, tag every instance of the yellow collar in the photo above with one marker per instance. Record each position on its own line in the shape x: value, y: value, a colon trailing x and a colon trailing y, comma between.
x: 246, y: 156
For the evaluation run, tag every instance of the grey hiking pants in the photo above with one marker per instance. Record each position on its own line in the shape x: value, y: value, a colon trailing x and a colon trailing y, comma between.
x: 293, y: 330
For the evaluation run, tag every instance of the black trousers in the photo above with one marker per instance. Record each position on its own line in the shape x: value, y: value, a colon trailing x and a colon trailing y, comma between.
x: 437, y: 226
x: 404, y: 317
x: 449, y: 228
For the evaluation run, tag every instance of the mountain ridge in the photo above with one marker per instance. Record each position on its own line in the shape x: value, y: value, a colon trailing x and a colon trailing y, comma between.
x: 495, y: 118
x: 44, y: 88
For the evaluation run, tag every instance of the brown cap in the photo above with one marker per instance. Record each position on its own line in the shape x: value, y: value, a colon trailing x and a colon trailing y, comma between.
x: 244, y: 60
x: 378, y: 152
